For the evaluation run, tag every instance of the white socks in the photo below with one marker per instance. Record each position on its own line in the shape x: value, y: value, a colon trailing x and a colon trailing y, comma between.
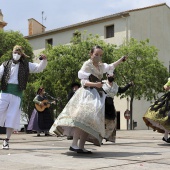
x: 166, y: 135
x: 9, y: 132
x: 83, y: 138
x: 79, y: 134
x: 76, y: 137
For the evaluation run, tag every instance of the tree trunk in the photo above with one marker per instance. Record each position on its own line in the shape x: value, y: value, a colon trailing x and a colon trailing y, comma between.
x: 131, y: 112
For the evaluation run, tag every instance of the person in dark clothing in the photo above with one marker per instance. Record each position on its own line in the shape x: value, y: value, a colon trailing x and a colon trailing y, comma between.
x: 74, y: 87
x: 44, y: 119
x: 111, y: 88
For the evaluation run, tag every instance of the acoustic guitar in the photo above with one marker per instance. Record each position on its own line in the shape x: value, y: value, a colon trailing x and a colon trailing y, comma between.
x: 46, y: 104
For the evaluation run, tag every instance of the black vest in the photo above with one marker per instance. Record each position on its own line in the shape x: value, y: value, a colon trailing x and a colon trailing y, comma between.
x: 23, y: 74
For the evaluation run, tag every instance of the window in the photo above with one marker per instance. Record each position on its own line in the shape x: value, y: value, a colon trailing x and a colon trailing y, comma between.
x: 49, y: 42
x: 110, y: 31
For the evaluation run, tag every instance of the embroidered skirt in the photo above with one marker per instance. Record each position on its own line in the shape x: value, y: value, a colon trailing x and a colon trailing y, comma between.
x: 158, y: 115
x: 85, y: 110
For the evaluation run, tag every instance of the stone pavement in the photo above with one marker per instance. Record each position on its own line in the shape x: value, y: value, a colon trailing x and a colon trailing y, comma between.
x: 133, y: 150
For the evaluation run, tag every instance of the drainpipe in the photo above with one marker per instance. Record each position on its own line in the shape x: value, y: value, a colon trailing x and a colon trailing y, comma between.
x: 126, y: 28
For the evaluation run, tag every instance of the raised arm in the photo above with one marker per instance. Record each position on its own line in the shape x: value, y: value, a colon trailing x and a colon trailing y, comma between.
x: 125, y: 88
x: 37, y: 68
x: 122, y: 59
x: 167, y: 85
x: 1, y: 71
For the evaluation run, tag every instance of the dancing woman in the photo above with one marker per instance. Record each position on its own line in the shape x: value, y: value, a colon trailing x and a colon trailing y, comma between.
x: 158, y: 115
x: 112, y: 89
x: 83, y: 116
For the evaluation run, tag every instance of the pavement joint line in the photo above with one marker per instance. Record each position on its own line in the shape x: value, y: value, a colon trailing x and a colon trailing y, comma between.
x: 136, y: 162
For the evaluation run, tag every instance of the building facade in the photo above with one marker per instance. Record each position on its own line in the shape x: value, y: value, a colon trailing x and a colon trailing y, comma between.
x: 151, y: 23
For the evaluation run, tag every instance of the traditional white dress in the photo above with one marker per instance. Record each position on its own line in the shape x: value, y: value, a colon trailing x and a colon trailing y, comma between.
x: 85, y: 110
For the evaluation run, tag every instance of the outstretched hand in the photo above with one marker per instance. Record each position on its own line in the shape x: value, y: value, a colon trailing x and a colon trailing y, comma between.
x: 131, y: 83
x: 54, y: 102
x: 124, y: 58
x: 43, y: 57
x: 167, y: 87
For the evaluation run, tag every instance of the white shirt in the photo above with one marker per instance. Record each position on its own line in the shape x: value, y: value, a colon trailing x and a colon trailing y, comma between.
x: 110, y: 90
x: 88, y: 68
x: 33, y: 68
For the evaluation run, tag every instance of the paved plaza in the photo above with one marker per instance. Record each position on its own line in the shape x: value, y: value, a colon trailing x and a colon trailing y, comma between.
x: 133, y: 150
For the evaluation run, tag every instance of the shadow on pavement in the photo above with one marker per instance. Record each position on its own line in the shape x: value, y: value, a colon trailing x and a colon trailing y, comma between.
x: 109, y: 154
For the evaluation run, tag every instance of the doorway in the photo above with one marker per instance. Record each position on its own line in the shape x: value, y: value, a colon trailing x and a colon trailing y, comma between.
x: 118, y: 120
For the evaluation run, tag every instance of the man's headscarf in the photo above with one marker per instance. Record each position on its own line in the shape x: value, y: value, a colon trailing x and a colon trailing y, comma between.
x: 19, y: 48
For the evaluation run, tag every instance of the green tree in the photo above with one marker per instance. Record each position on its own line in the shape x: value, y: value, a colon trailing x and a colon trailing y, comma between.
x: 143, y: 68
x: 8, y: 39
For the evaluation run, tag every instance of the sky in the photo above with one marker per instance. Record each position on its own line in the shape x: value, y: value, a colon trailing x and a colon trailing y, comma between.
x: 55, y: 14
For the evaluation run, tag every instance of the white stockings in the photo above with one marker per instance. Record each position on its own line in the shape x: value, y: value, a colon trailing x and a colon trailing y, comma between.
x: 81, y: 136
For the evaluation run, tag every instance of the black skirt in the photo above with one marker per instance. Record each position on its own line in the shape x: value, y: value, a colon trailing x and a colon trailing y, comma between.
x: 110, y: 112
x: 45, y: 120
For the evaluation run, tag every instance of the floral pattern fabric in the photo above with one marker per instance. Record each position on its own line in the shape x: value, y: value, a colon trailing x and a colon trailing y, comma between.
x: 158, y: 115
